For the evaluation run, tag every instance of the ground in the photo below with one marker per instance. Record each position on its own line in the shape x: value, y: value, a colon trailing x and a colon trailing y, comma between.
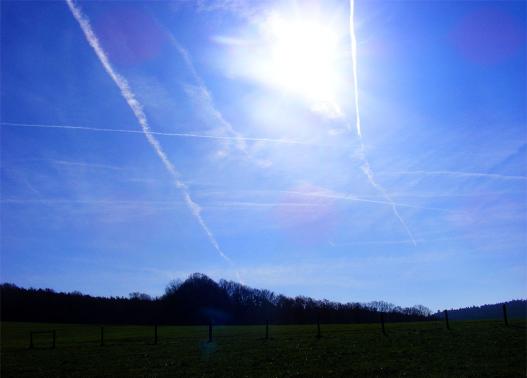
x: 470, y: 348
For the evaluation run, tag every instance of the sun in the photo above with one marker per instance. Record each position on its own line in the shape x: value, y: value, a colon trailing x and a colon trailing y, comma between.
x: 301, y: 51
x: 302, y: 59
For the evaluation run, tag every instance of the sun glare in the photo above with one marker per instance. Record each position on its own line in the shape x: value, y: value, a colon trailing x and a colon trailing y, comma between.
x: 303, y: 55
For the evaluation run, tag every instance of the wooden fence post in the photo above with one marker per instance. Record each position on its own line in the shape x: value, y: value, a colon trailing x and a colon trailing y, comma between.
x: 267, y: 329
x: 318, y: 327
x: 505, y: 315
x: 102, y: 336
x: 382, y: 324
x: 446, y: 320
x: 155, y: 334
x: 210, y: 332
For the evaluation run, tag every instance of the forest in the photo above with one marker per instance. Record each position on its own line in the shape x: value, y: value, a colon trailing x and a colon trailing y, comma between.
x: 515, y: 309
x: 196, y: 300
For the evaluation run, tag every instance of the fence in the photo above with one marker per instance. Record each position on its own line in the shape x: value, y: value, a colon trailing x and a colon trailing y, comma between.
x: 53, y: 333
x: 317, y: 332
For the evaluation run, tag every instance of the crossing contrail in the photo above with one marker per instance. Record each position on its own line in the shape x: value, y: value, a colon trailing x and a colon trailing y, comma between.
x: 366, y: 168
x: 207, y: 96
x: 183, y: 135
x: 139, y: 114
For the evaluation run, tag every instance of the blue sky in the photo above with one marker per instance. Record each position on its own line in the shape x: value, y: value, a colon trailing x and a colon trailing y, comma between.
x: 252, y: 168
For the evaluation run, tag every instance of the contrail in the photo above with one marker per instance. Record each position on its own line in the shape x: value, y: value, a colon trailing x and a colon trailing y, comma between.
x: 201, y: 93
x: 204, y: 91
x: 348, y: 197
x: 369, y: 173
x: 457, y: 174
x: 139, y: 114
x: 353, y: 39
x: 183, y: 135
x: 362, y: 154
x: 329, y: 196
x: 86, y: 165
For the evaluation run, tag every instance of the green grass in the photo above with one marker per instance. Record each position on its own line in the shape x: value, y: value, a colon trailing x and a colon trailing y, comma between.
x: 476, y: 349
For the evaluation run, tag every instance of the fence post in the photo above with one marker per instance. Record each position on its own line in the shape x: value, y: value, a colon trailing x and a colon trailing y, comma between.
x: 155, y: 334
x: 267, y: 329
x: 446, y: 320
x: 382, y: 324
x: 318, y: 326
x: 505, y: 315
x: 54, y: 337
x: 30, y: 340
x: 210, y: 331
x: 102, y: 336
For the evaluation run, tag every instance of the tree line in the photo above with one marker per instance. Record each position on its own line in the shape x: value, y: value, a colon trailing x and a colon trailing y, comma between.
x: 196, y: 300
x: 516, y: 308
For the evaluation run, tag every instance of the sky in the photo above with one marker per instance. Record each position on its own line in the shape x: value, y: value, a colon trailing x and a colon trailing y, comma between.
x: 372, y: 150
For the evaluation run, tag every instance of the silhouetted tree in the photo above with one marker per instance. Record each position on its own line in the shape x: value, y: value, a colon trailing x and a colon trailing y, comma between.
x: 197, y: 300
x: 139, y: 296
x: 515, y: 309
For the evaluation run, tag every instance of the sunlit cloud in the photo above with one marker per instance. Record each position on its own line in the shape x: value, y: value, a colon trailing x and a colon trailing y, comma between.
x: 229, y: 40
x: 242, y: 8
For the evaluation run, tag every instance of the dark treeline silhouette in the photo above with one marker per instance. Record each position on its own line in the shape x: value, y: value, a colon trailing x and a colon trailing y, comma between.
x: 197, y: 300
x: 515, y: 309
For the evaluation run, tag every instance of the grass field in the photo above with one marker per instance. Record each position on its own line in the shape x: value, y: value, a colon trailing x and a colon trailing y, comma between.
x: 478, y: 348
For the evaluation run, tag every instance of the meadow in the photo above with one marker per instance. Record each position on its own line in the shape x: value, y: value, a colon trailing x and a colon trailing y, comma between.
x: 469, y: 348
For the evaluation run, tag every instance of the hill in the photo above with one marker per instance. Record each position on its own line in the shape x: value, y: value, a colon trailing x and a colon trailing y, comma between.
x: 197, y: 300
x: 515, y: 309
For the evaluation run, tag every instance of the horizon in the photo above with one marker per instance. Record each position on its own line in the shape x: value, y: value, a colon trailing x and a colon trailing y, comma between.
x: 353, y: 151
x: 132, y: 295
